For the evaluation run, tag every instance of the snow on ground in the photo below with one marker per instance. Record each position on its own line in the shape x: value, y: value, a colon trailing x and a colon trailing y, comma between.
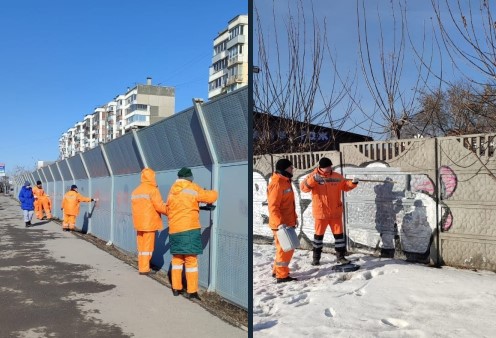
x: 384, y: 298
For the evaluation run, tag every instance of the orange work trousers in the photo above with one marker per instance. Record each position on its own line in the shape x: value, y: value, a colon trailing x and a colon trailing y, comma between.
x: 42, y: 204
x: 69, y: 221
x: 146, y: 243
x: 336, y: 225
x: 191, y: 264
x: 282, y: 260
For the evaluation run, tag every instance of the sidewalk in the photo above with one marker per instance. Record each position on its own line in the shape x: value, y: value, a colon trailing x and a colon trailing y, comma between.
x: 54, y: 284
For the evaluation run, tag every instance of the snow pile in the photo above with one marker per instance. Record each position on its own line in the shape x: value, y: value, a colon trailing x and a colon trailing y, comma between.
x: 384, y: 298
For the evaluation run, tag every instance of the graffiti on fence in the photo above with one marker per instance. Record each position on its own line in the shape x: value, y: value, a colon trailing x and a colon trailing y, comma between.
x: 400, y: 210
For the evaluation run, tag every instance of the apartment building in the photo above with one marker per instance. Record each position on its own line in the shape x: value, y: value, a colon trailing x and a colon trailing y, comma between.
x: 229, y: 69
x: 138, y: 107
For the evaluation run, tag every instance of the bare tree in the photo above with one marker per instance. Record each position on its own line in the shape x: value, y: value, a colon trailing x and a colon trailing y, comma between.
x: 394, y: 91
x: 458, y: 110
x: 288, y: 84
x: 468, y: 33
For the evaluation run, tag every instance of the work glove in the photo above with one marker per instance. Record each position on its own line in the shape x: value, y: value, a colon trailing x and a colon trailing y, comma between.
x: 355, y: 180
x: 208, y: 207
x: 318, y: 179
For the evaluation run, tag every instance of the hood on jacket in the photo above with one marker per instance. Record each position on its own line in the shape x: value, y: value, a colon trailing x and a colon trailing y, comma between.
x: 148, y: 177
x: 179, y: 185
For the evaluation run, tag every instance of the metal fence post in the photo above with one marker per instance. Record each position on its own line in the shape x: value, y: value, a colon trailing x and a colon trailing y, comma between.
x: 104, y: 153
x: 215, y: 185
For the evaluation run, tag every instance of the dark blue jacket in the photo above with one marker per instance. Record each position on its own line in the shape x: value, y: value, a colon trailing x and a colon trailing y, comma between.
x: 26, y: 198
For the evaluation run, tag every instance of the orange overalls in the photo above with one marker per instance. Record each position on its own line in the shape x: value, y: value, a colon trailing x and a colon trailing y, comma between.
x: 327, y: 207
x: 282, y: 210
x: 185, y: 230
x: 41, y: 203
x: 70, y: 204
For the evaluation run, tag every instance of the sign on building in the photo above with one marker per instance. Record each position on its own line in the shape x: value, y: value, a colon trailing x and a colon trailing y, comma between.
x: 2, y: 169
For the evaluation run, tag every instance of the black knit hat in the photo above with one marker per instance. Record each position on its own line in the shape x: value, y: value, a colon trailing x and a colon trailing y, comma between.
x: 283, y: 164
x: 325, y: 162
x: 73, y: 187
x: 38, y: 182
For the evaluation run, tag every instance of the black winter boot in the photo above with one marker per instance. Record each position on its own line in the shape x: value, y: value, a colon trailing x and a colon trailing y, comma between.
x: 27, y: 224
x: 341, y: 259
x: 317, y: 253
x: 317, y: 248
x: 286, y: 279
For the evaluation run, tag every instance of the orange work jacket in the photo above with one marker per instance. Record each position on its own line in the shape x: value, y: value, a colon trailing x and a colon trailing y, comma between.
x: 147, y: 203
x: 182, y: 202
x: 38, y: 192
x: 326, y: 196
x: 281, y: 201
x: 71, y: 202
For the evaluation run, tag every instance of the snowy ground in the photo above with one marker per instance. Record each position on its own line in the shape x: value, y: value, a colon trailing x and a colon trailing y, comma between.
x: 384, y: 298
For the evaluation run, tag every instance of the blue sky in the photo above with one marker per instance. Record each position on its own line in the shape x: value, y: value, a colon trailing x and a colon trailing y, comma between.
x: 340, y: 18
x: 61, y: 59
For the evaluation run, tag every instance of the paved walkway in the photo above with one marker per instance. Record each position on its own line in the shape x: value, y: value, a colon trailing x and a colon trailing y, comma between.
x: 54, y: 284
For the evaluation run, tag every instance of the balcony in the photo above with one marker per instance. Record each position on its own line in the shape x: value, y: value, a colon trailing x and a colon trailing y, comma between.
x: 235, y: 79
x: 234, y: 60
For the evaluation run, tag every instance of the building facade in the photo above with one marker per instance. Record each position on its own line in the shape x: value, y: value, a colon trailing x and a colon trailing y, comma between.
x: 139, y: 107
x: 229, y: 69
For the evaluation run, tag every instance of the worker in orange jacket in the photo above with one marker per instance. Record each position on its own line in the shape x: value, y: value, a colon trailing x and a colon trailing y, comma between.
x: 282, y: 210
x: 70, y: 205
x: 41, y: 202
x: 326, y: 187
x: 185, y: 230
x: 147, y: 206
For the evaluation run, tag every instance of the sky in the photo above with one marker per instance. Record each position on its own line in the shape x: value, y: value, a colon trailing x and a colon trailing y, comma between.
x: 62, y: 59
x: 384, y: 298
x: 338, y: 20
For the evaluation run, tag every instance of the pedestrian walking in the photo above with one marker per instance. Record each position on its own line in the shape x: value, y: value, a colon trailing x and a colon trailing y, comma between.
x: 26, y: 198
x: 147, y: 206
x: 282, y: 212
x: 326, y: 187
x: 70, y: 206
x: 185, y: 230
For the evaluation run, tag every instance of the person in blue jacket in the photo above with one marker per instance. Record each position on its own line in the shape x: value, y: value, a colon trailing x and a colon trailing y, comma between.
x: 26, y: 198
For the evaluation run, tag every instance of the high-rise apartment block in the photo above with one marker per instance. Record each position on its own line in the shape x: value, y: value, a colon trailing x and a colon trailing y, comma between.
x: 139, y: 107
x: 229, y: 69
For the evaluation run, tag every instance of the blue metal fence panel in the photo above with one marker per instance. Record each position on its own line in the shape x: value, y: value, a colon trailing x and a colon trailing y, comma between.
x: 123, y: 155
x: 124, y: 233
x: 96, y: 163
x: 57, y: 195
x: 232, y: 228
x: 77, y: 167
x: 227, y: 120
x: 55, y: 171
x: 101, y: 188
x: 65, y: 171
x: 175, y: 142
x: 48, y: 174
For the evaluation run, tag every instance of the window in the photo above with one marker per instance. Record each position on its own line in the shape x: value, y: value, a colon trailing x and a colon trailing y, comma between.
x: 238, y: 30
x: 136, y: 118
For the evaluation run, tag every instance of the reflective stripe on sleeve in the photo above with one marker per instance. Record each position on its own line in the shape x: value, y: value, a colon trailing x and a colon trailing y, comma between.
x: 190, y: 192
x: 145, y: 253
x: 145, y: 196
